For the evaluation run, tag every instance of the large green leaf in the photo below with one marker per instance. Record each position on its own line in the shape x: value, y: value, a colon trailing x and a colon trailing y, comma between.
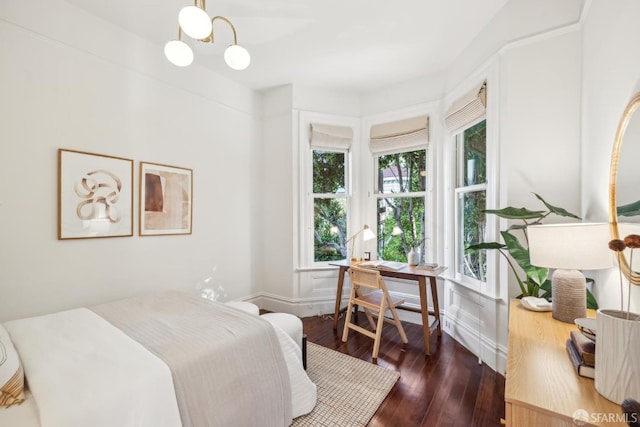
x: 488, y: 245
x: 521, y: 255
x: 546, y: 287
x: 556, y: 210
x: 632, y: 209
x: 515, y: 213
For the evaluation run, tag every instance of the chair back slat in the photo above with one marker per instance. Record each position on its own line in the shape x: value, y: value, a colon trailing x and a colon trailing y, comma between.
x: 365, y: 277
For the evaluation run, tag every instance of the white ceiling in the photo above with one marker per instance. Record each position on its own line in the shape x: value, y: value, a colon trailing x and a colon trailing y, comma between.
x: 355, y: 45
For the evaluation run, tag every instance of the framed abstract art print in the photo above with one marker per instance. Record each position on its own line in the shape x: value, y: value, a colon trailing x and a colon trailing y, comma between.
x: 166, y: 199
x: 95, y: 195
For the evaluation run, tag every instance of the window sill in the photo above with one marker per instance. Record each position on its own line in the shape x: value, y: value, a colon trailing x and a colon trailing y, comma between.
x: 316, y: 268
x: 472, y: 288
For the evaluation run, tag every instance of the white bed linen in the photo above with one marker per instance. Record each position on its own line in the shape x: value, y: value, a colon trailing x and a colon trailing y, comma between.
x: 53, y: 348
x: 41, y: 356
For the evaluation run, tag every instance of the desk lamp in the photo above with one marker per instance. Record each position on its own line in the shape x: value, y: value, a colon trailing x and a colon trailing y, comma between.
x: 568, y: 248
x: 368, y: 235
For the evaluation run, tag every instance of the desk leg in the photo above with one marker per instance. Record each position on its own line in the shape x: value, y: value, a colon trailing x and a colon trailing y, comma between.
x: 424, y: 312
x: 436, y: 306
x: 341, y: 273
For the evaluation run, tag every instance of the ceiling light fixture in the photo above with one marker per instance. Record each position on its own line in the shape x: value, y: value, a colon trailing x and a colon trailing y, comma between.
x: 194, y: 22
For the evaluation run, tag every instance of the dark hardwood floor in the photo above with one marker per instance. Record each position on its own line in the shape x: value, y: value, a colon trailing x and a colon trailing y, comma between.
x: 449, y: 388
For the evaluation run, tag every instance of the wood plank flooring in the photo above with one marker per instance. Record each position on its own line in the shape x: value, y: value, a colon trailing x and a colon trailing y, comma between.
x: 449, y: 388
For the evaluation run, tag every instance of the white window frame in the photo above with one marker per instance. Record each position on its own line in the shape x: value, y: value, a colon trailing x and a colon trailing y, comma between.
x: 377, y: 195
x: 459, y: 192
x: 370, y: 170
x: 495, y: 270
x: 306, y: 196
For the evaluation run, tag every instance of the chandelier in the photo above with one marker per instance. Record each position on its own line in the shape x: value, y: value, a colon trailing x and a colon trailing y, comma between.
x: 195, y: 22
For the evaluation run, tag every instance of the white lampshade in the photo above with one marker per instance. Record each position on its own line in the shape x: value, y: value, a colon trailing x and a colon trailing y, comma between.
x: 569, y: 248
x: 195, y: 22
x: 575, y: 246
x: 396, y: 231
x: 178, y: 53
x: 368, y: 234
x: 237, y: 57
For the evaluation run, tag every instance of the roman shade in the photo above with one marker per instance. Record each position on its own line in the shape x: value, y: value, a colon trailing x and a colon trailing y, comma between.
x: 467, y: 109
x: 402, y: 135
x: 330, y: 137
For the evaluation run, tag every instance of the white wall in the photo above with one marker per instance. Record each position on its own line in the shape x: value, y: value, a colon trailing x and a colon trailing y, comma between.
x: 69, y: 80
x: 611, y: 75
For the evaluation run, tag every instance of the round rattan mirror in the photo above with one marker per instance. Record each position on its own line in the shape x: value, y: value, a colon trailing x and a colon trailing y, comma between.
x: 624, y: 188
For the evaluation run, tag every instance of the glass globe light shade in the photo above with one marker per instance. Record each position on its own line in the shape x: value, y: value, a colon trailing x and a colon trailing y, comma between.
x: 195, y: 22
x: 178, y: 53
x: 237, y: 57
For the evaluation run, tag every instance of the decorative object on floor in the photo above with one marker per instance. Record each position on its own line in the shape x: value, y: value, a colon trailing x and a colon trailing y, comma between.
x: 166, y: 199
x: 569, y: 248
x: 375, y: 298
x: 367, y: 235
x: 339, y: 378
x: 95, y: 195
x: 195, y: 23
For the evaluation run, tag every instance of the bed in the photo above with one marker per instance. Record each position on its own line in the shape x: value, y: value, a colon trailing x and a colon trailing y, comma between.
x: 168, y: 359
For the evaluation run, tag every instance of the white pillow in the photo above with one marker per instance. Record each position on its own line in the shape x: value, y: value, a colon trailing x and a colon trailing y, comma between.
x: 11, y: 372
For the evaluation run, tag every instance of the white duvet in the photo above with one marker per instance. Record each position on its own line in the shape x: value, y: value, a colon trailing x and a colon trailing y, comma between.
x: 53, y: 348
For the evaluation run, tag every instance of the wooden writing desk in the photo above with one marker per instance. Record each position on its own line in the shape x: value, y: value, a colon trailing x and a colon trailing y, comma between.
x: 542, y: 387
x: 430, y: 319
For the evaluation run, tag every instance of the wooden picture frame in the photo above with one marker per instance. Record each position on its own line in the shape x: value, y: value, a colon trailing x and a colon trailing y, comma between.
x: 95, y: 195
x: 166, y: 199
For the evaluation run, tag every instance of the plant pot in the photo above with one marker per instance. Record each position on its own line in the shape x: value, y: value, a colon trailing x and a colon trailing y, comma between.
x: 617, y: 355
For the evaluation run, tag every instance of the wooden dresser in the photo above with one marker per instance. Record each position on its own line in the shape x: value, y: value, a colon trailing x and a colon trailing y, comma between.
x: 542, y: 387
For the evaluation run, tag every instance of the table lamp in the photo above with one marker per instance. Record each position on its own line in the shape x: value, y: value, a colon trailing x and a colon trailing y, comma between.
x: 367, y: 235
x: 568, y: 248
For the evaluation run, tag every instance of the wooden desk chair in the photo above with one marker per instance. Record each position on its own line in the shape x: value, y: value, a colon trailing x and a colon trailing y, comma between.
x: 378, y: 300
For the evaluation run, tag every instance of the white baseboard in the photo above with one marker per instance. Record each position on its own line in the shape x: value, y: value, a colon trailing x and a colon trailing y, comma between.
x: 487, y: 350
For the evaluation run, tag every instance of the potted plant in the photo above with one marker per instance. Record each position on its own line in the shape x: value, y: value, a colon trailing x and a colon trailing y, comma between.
x: 535, y: 281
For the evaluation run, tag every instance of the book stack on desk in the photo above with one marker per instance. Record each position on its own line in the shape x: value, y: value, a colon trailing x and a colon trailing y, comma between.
x: 582, y: 351
x: 427, y: 266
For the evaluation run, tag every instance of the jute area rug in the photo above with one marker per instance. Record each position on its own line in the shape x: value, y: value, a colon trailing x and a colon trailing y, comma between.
x: 350, y: 390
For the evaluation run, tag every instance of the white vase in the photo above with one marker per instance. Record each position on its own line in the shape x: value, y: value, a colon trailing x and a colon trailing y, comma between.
x: 413, y: 257
x: 617, y: 355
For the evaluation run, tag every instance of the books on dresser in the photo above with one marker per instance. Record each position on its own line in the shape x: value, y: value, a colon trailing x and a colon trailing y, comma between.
x: 581, y: 367
x: 586, y: 348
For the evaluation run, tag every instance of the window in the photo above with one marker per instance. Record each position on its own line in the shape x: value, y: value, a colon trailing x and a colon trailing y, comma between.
x: 329, y: 205
x: 325, y: 167
x: 400, y: 194
x: 471, y: 196
x: 400, y: 153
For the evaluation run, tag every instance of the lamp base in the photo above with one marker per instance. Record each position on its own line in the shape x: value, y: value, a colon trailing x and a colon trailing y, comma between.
x: 569, y: 299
